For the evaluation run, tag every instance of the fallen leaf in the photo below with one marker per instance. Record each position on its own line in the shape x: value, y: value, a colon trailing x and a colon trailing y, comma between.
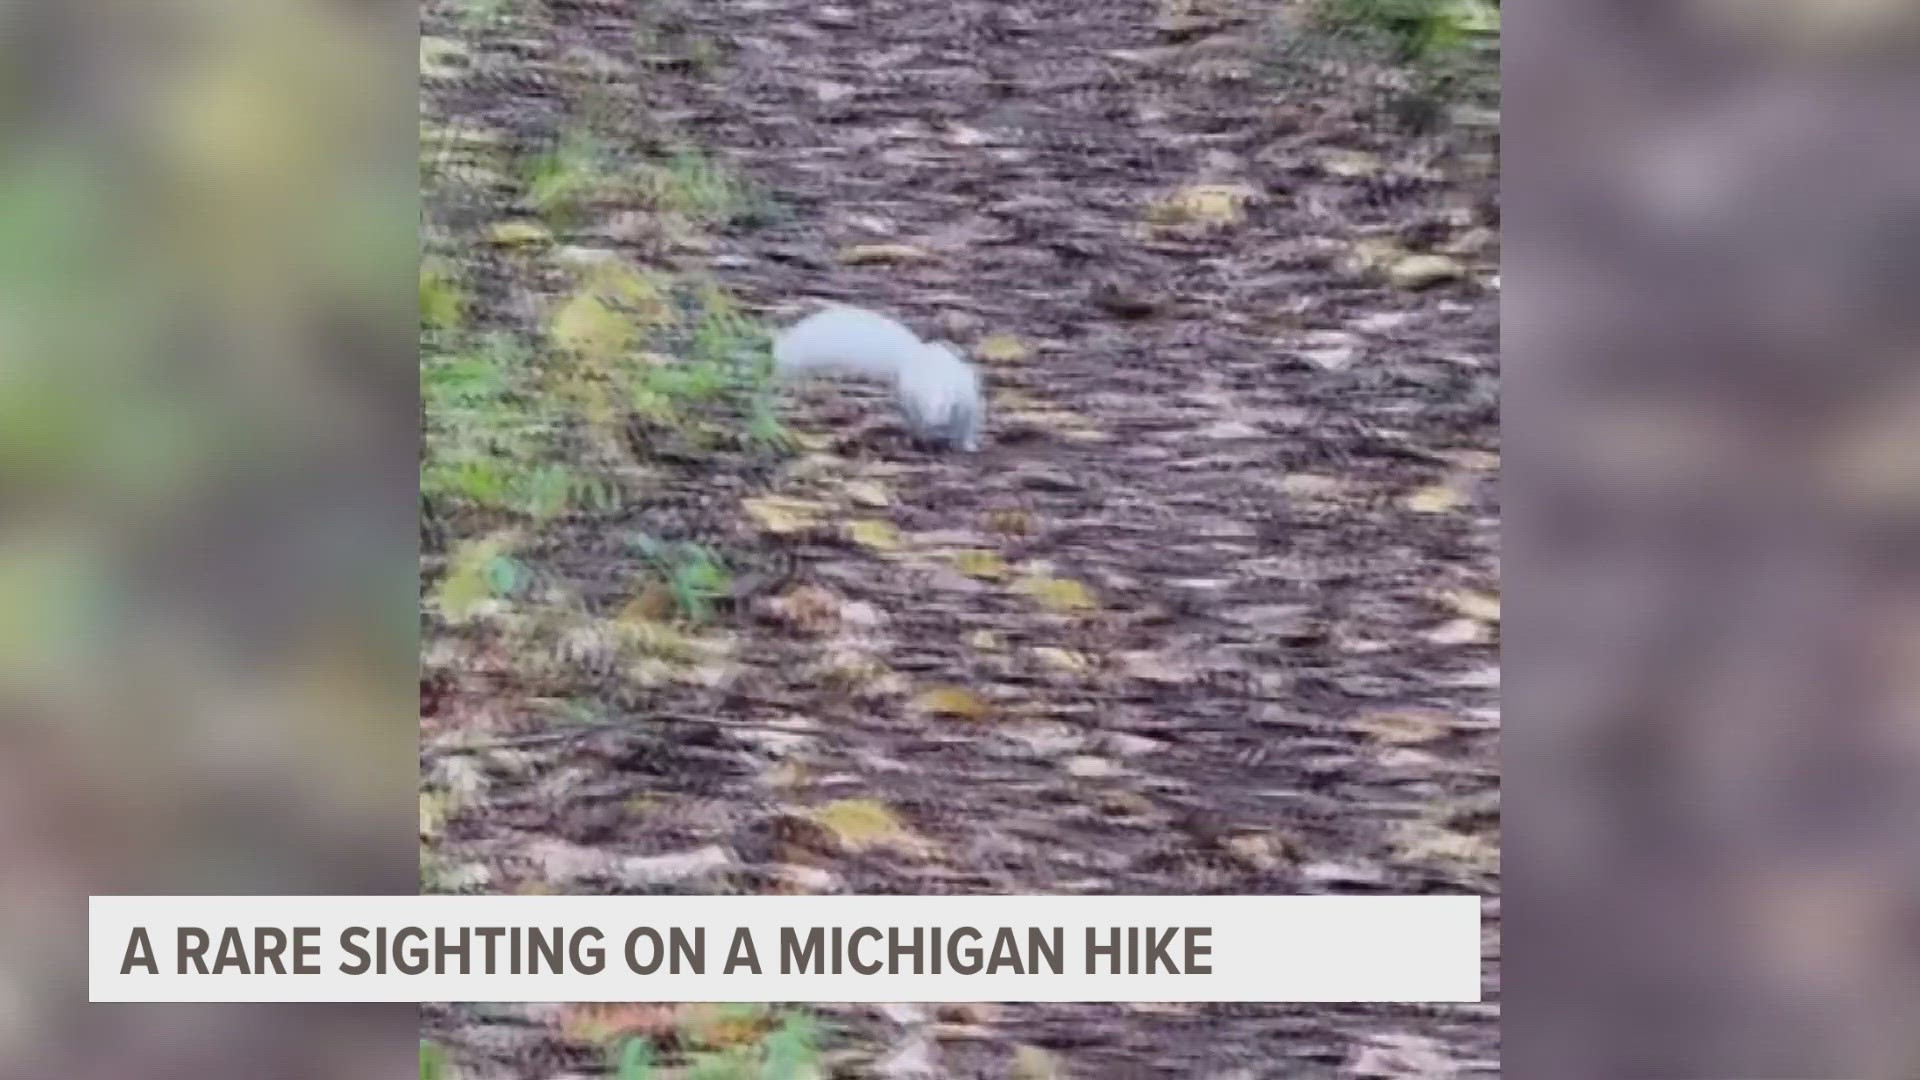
x: 471, y: 579
x: 1033, y: 1063
x: 715, y: 1026
x: 875, y: 535
x: 1405, y: 727
x: 1063, y: 659
x: 1457, y: 632
x: 1375, y: 253
x: 519, y: 233
x: 1424, y: 271
x: 435, y: 806
x: 953, y: 701
x: 1010, y: 522
x: 860, y: 823
x: 1001, y: 349
x: 864, y: 254
x: 782, y: 516
x: 1484, y: 607
x: 593, y: 328
x: 1351, y: 164
x: 604, y: 1022
x: 1057, y: 594
x: 986, y: 565
x: 442, y: 305
x: 1429, y: 843
x: 868, y: 493
x: 1475, y: 460
x: 986, y: 641
x: 850, y: 669
x: 810, y: 608
x: 1434, y: 499
x: 1204, y: 204
x: 1264, y: 851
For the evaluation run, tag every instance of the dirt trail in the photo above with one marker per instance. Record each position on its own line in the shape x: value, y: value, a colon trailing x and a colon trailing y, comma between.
x: 1277, y: 485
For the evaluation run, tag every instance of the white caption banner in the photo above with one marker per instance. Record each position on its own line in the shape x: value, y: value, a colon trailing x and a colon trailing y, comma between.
x: 987, y: 948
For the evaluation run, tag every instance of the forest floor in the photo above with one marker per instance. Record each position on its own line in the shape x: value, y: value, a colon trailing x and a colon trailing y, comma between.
x: 1215, y: 610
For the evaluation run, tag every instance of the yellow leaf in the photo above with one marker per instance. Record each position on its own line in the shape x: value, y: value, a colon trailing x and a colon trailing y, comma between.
x: 862, y: 254
x: 986, y: 565
x: 953, y: 701
x: 441, y: 303
x: 520, y: 233
x: 1010, y: 522
x: 622, y: 285
x: 1063, y: 659
x: 469, y: 580
x: 860, y: 823
x: 1484, y: 607
x: 1033, y: 1063
x: 717, y: 1027
x: 1001, y: 349
x: 875, y: 535
x: 783, y: 517
x: 1436, y: 499
x: 868, y: 493
x: 986, y: 641
x: 1057, y: 594
x: 1432, y: 843
x: 1351, y: 164
x: 589, y: 326
x: 1405, y: 727
x: 1204, y: 204
x: 1064, y: 423
x: 435, y: 806
x: 1424, y: 271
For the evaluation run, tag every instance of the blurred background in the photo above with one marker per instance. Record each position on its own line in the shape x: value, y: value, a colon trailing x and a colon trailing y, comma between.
x: 208, y: 414
x: 1713, y: 418
x: 207, y: 599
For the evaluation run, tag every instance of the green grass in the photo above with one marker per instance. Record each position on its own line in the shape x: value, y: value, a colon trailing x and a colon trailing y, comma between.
x: 790, y: 1052
x: 433, y: 1062
x: 1415, y: 31
x: 1445, y: 55
x: 491, y: 438
x: 694, y: 574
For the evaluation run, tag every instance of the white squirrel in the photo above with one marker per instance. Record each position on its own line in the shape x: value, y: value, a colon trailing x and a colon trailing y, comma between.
x: 937, y: 390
